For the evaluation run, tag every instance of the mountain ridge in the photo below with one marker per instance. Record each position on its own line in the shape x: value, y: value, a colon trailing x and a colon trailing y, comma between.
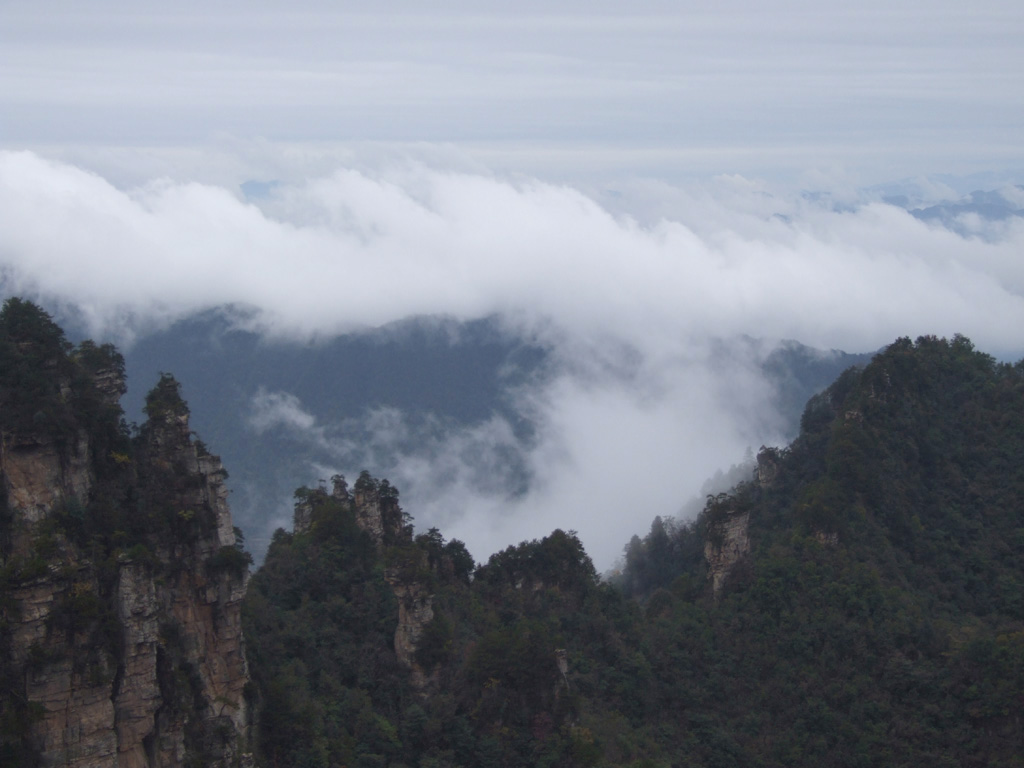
x: 857, y: 601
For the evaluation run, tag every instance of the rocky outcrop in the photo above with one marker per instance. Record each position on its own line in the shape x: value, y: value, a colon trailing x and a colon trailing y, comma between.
x: 198, y: 612
x: 373, y: 503
x: 72, y: 701
x: 303, y: 517
x: 374, y: 507
x: 39, y: 474
x: 131, y: 655
x: 767, y: 466
x: 377, y: 511
x: 109, y: 383
x: 415, y: 611
x: 727, y: 540
x: 368, y: 513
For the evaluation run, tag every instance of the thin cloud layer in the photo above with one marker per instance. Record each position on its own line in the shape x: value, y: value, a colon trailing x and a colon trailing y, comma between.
x: 652, y: 86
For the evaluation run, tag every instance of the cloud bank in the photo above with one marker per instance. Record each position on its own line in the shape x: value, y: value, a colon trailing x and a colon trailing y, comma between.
x: 349, y: 250
x: 640, y: 406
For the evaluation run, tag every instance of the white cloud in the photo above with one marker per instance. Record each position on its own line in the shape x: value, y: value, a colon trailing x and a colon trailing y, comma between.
x: 1014, y: 195
x: 351, y: 249
x: 607, y: 454
x: 641, y: 405
x: 281, y: 409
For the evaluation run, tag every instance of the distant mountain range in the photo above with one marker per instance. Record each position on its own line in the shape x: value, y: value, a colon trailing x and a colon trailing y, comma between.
x: 437, y: 373
x: 983, y: 205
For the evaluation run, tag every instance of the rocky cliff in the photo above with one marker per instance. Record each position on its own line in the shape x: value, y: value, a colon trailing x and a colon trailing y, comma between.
x: 121, y: 581
x: 415, y: 612
x: 727, y: 539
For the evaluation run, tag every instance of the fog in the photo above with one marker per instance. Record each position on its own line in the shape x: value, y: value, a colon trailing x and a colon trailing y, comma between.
x: 640, y: 403
x: 607, y: 452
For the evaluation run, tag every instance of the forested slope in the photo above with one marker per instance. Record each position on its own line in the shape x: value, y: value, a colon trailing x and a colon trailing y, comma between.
x: 877, y: 618
x: 857, y: 601
x: 868, y: 611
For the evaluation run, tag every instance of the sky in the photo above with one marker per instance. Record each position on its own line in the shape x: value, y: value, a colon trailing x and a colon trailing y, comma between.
x: 623, y: 184
x: 875, y: 90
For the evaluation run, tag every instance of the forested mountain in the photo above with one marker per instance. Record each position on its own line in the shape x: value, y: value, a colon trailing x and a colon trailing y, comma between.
x: 859, y: 602
x: 871, y: 611
x: 856, y: 601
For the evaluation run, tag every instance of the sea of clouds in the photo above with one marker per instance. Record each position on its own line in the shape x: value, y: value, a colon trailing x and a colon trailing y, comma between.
x: 631, y: 293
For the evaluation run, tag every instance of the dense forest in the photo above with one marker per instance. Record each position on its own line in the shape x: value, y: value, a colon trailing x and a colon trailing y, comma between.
x: 858, y: 600
x: 875, y: 618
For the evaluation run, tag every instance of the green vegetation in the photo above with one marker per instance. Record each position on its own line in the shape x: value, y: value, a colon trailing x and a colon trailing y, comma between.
x: 878, y: 618
x: 165, y: 399
x: 886, y: 565
x: 34, y: 364
x: 141, y: 502
x: 320, y: 621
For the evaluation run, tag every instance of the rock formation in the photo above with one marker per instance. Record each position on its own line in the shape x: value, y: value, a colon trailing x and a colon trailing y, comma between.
x: 374, y: 505
x: 767, y: 466
x: 375, y: 510
x: 727, y: 539
x: 122, y: 583
x: 415, y: 611
x: 368, y: 511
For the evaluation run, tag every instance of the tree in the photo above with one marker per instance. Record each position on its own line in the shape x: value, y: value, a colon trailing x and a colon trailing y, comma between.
x: 165, y: 399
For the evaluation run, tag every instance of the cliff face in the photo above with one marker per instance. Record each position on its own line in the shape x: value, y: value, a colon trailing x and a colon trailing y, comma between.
x: 122, y: 590
x: 70, y: 708
x: 190, y: 625
x: 415, y: 612
x: 727, y: 541
x: 375, y: 511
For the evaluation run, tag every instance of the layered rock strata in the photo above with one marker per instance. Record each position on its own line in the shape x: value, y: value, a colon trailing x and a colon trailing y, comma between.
x: 133, y: 657
x: 727, y: 542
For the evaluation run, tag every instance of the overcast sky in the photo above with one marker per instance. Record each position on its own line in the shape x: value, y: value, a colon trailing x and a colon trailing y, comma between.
x: 878, y: 89
x: 606, y: 179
